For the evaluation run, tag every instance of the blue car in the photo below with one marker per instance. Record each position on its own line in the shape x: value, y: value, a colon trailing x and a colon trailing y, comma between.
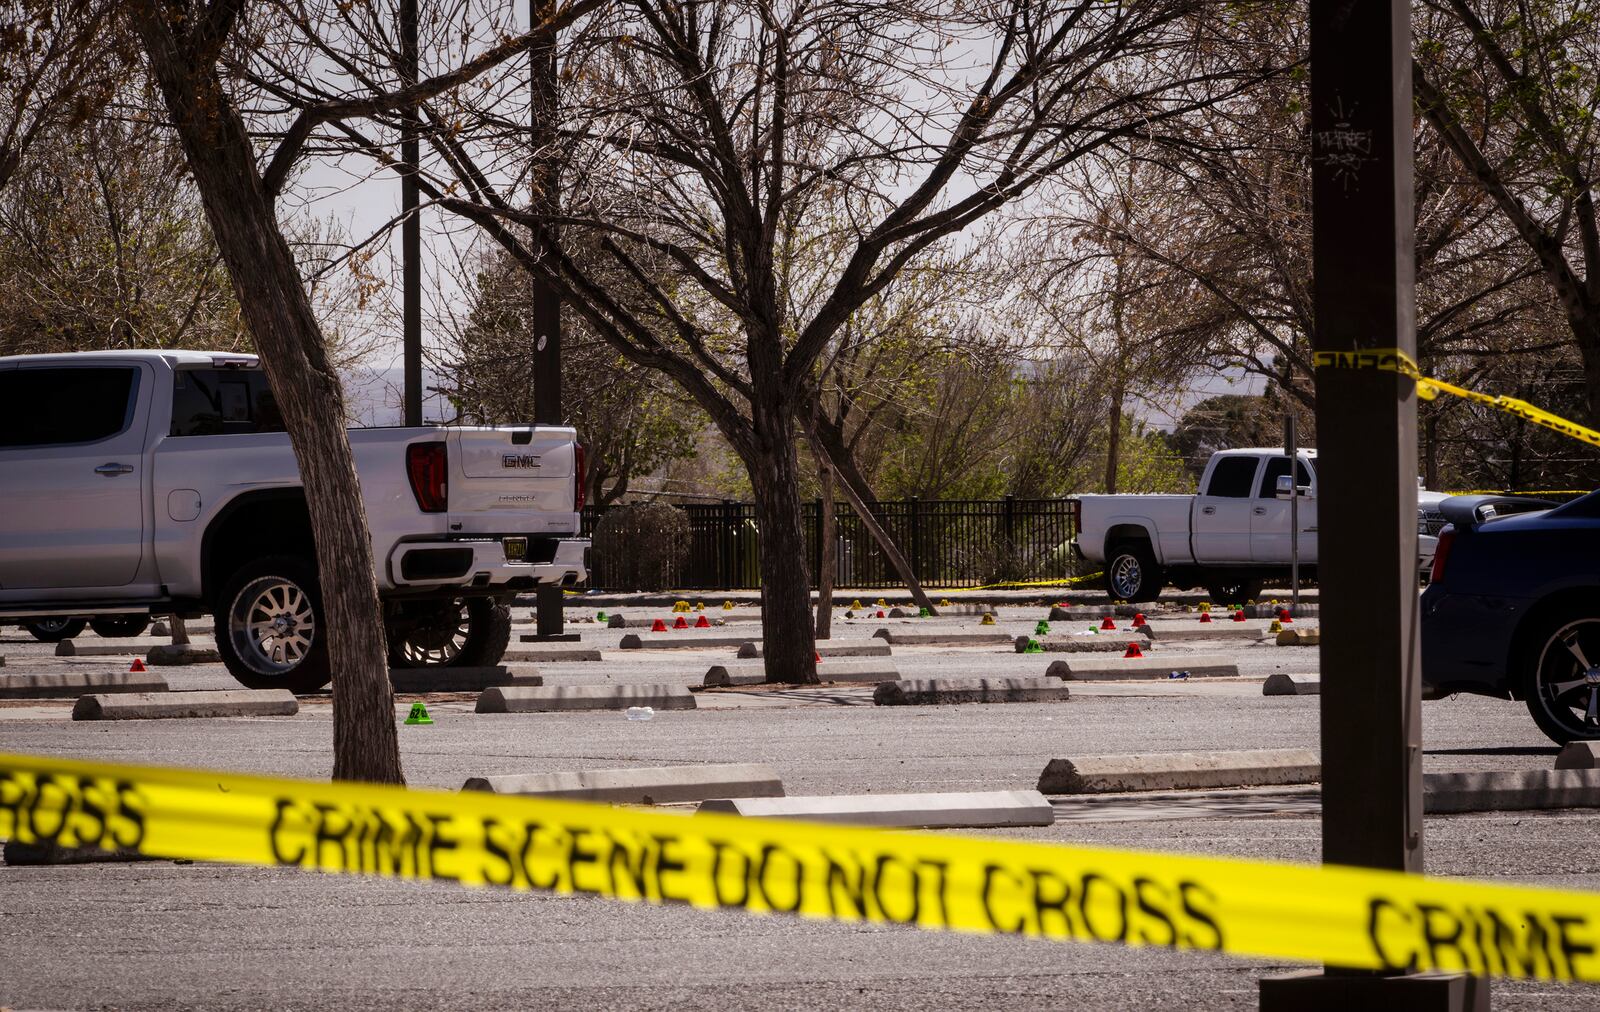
x: 1513, y: 609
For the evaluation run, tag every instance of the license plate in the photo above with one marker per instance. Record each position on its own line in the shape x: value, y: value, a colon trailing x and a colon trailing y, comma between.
x: 516, y: 549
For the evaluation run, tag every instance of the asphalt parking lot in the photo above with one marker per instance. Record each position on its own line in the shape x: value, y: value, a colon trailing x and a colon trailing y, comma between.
x: 169, y: 934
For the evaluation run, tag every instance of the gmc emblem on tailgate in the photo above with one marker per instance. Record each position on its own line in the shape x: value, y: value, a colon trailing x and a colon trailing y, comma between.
x: 519, y: 460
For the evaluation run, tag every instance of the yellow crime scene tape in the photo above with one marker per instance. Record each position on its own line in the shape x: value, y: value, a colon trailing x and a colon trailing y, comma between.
x: 1397, y: 361
x: 1071, y: 581
x: 1343, y: 916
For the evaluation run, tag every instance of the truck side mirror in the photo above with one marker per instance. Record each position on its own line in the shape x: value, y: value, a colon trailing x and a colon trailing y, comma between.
x: 1285, y: 488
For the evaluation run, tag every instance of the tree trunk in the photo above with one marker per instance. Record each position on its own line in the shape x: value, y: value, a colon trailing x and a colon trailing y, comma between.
x: 788, y: 646
x: 1430, y: 449
x: 827, y: 542
x: 273, y: 303
x: 1586, y: 331
x: 826, y: 444
x: 1114, y: 440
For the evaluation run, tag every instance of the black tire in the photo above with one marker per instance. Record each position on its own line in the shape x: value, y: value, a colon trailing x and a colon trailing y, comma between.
x: 1132, y: 573
x: 1233, y: 590
x: 54, y: 630
x: 114, y: 627
x: 460, y: 633
x: 1563, y: 693
x: 283, y: 591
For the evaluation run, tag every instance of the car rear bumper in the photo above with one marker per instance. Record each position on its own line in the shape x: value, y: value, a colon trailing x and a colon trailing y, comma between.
x: 487, y: 564
x: 1466, y: 641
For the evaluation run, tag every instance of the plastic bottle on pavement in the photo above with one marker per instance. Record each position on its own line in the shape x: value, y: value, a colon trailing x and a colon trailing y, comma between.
x: 641, y: 712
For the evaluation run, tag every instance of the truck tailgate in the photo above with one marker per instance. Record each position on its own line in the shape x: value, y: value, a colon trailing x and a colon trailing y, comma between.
x: 506, y: 470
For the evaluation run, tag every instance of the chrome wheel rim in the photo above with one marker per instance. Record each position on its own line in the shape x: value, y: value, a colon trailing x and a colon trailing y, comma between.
x: 440, y: 642
x: 272, y: 625
x: 1567, y: 680
x: 1126, y: 575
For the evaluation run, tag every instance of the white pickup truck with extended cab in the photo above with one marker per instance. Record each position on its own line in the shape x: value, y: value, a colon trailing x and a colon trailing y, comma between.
x: 163, y: 483
x: 1229, y: 539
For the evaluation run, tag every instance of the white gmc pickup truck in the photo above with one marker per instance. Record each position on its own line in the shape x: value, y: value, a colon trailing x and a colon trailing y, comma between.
x: 1229, y: 539
x: 163, y: 483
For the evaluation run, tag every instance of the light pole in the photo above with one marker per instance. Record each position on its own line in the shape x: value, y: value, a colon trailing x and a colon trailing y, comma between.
x: 545, y: 201
x: 1363, y: 263
x: 411, y: 224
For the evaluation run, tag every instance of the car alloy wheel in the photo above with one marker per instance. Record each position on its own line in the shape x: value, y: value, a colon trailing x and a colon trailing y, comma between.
x: 272, y: 625
x: 54, y: 630
x: 1127, y: 576
x: 437, y: 638
x: 1566, y: 680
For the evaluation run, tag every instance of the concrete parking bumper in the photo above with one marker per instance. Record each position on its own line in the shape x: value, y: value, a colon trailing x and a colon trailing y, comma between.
x: 459, y: 679
x: 1100, y: 668
x: 70, y: 648
x: 686, y: 641
x: 1166, y: 633
x: 160, y: 705
x: 74, y: 683
x: 1510, y: 790
x: 548, y: 699
x: 1579, y: 755
x: 754, y: 674
x: 550, y: 655
x: 173, y: 654
x: 654, y: 785
x: 972, y: 810
x: 1171, y: 771
x: 949, y: 638
x: 1280, y: 684
x: 858, y: 648
x: 947, y: 691
x: 1107, y: 644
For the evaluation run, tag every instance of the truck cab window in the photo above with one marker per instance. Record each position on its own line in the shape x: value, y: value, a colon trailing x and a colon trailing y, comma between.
x: 215, y: 402
x: 1269, y: 478
x: 1232, y: 477
x: 60, y: 407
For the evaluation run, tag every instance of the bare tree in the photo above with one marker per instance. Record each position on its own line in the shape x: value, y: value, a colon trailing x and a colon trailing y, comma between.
x: 192, y: 54
x: 183, y: 45
x: 1218, y: 226
x: 1539, y: 165
x: 698, y: 138
x: 632, y: 420
x: 103, y: 244
x: 702, y: 136
x: 61, y: 61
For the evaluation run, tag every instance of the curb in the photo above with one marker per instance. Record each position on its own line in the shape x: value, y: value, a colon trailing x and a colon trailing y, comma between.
x: 1116, y: 774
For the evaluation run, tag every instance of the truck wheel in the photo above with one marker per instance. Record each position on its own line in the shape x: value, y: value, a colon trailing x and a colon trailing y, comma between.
x: 1132, y: 573
x: 269, y: 626
x: 1560, y: 664
x: 54, y: 630
x: 119, y: 626
x: 1232, y: 590
x: 461, y: 633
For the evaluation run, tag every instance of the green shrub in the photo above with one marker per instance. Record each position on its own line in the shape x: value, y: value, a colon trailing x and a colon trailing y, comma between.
x: 642, y: 546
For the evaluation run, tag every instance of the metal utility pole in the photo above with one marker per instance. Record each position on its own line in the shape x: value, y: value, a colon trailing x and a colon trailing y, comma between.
x: 1362, y: 192
x: 545, y: 199
x: 411, y: 225
x: 1291, y: 446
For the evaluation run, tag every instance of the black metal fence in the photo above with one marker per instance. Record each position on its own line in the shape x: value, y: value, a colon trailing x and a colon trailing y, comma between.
x: 949, y: 543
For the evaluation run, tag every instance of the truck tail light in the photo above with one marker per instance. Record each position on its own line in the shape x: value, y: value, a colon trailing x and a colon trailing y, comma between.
x: 580, y: 478
x: 1074, y: 516
x: 427, y: 465
x: 1447, y: 537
